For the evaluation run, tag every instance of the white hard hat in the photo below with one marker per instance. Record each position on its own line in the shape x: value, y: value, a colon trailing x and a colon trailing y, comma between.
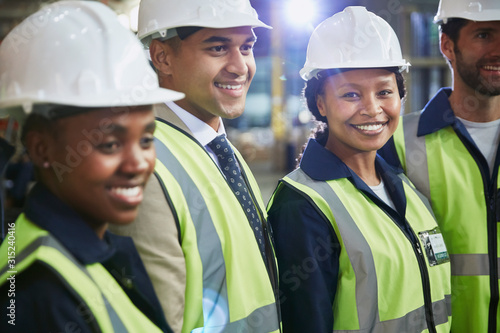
x: 156, y: 17
x: 353, y: 38
x: 484, y: 10
x: 75, y: 53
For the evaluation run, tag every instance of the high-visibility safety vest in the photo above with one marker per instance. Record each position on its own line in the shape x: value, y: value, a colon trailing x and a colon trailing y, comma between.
x: 448, y: 168
x: 93, y: 284
x: 385, y: 281
x: 228, y: 286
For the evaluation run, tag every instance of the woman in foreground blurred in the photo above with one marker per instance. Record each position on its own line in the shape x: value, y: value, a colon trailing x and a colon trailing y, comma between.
x: 88, y: 129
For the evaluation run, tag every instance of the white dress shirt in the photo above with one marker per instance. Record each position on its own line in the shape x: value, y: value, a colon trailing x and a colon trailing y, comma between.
x: 202, y: 132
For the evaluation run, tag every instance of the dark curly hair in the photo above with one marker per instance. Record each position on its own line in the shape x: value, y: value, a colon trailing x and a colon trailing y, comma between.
x: 315, y: 87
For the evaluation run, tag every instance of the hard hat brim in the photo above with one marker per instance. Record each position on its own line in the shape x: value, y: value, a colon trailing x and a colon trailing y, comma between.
x: 490, y: 15
x: 146, y: 36
x: 309, y: 72
x: 10, y: 107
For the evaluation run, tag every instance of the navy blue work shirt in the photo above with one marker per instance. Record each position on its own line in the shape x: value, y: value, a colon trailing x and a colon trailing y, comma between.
x: 44, y: 304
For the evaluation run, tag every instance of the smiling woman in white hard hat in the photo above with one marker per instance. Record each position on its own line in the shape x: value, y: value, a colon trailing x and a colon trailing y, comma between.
x: 358, y: 248
x: 88, y: 128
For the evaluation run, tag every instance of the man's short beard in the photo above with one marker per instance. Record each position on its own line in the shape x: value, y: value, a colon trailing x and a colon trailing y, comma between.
x: 471, y: 77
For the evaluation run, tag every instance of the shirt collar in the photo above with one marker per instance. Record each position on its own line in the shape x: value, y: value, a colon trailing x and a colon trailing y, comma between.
x: 321, y: 164
x: 437, y: 114
x: 202, y: 132
x: 48, y: 212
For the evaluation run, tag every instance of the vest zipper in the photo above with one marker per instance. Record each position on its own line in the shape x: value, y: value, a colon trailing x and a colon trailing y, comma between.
x: 424, y: 273
x: 489, y: 185
x: 492, y: 258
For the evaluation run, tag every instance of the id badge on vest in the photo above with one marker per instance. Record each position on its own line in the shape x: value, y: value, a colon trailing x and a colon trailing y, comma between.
x: 434, y: 245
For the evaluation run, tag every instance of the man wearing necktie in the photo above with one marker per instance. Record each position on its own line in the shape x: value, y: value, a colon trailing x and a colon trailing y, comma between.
x: 202, y: 230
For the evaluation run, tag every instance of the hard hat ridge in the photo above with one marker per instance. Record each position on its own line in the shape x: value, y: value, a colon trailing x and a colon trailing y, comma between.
x: 353, y: 38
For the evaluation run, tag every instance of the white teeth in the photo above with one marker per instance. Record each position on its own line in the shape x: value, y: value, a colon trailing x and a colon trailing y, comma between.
x: 227, y: 86
x: 127, y: 191
x: 492, y: 68
x: 369, y: 127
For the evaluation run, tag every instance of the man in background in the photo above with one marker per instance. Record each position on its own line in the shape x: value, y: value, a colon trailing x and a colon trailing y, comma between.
x: 450, y: 151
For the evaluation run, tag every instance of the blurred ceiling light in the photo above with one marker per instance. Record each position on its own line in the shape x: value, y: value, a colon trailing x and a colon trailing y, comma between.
x: 298, y: 12
x: 304, y: 116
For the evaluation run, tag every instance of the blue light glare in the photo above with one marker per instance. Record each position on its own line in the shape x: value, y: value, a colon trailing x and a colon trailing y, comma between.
x: 298, y: 12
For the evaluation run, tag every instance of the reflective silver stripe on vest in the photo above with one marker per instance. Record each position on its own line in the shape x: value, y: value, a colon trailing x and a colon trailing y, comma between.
x: 424, y: 200
x: 471, y: 264
x: 414, y: 321
x: 214, y: 267
x: 261, y: 320
x: 50, y: 241
x: 416, y: 154
x: 366, y: 284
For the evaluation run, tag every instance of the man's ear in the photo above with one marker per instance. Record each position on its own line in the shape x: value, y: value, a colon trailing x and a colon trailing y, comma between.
x: 160, y: 56
x: 447, y: 47
x: 38, y: 147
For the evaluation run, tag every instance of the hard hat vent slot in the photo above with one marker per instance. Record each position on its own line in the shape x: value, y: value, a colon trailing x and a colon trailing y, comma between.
x: 89, y: 83
x: 207, y: 12
x: 475, y: 7
x: 27, y: 107
x: 13, y: 89
x: 152, y: 25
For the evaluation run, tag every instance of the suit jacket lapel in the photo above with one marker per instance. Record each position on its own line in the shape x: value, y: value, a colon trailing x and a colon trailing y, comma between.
x: 164, y: 112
